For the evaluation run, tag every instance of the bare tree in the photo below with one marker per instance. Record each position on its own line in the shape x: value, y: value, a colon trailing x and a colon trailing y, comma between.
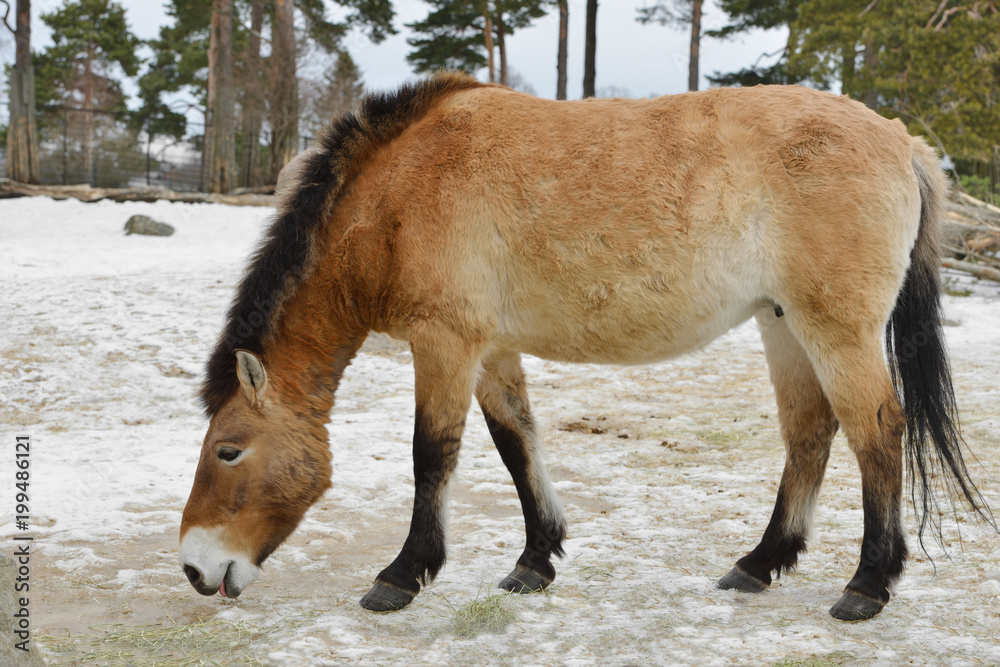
x: 22, y: 135
x: 488, y: 38
x: 222, y: 112
x: 590, y: 50
x: 252, y: 103
x: 284, y: 98
x: 561, y: 57
x: 502, y: 47
x: 694, y: 52
x: 679, y: 12
x: 336, y: 92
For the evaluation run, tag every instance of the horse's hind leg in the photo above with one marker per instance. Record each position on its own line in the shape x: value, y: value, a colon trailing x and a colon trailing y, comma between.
x: 807, y: 427
x: 850, y: 365
x: 857, y: 381
x: 503, y: 396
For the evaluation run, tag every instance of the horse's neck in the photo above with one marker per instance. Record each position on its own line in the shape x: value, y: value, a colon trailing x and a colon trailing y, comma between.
x: 312, y: 346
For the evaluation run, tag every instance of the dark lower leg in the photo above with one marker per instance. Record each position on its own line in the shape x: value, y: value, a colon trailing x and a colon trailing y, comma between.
x: 435, y: 454
x: 808, y: 425
x: 883, y: 548
x: 543, y: 523
x: 503, y: 396
x: 777, y: 552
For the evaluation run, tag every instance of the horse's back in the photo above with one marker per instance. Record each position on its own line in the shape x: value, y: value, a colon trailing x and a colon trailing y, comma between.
x: 629, y: 230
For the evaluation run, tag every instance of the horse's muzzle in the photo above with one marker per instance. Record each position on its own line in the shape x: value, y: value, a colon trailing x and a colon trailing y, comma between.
x: 211, y: 568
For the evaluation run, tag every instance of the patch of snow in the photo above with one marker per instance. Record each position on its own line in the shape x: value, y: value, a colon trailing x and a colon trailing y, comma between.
x: 105, y: 338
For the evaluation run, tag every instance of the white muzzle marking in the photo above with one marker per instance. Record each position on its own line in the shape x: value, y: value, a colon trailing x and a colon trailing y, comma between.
x: 204, y: 550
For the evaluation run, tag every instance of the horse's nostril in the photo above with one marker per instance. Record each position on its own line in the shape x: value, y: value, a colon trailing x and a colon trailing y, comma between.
x: 193, y: 575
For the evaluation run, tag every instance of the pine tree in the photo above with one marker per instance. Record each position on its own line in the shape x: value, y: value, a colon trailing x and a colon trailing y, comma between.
x: 462, y: 34
x: 450, y: 37
x: 284, y: 93
x: 509, y: 16
x: 935, y: 64
x: 22, y: 134
x: 180, y: 63
x: 373, y: 15
x: 748, y: 15
x: 91, y: 38
x: 264, y: 89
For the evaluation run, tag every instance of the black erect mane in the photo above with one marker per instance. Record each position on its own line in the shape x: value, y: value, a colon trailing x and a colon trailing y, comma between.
x: 284, y: 258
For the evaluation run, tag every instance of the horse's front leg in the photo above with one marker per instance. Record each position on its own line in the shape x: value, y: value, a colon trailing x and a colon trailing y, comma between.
x: 445, y: 367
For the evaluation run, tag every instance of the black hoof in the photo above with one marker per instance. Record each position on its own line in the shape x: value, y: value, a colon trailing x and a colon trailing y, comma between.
x: 386, y: 597
x: 524, y: 581
x: 737, y: 579
x: 853, y: 606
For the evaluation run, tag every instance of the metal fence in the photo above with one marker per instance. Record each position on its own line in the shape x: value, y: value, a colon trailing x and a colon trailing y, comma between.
x: 94, y: 147
x: 91, y: 146
x: 78, y: 146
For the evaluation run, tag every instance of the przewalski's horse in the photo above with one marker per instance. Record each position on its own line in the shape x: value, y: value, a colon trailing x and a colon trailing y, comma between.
x: 478, y: 223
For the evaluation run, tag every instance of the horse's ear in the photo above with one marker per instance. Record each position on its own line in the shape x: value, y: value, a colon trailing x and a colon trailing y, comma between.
x: 252, y: 376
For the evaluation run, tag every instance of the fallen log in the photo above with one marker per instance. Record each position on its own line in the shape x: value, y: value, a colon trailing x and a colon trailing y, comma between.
x: 976, y: 270
x: 85, y: 193
x: 969, y: 200
x: 971, y: 211
x: 968, y: 238
x: 964, y: 254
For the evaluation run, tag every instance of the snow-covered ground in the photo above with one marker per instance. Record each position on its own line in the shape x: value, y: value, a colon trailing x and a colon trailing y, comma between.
x: 103, y: 341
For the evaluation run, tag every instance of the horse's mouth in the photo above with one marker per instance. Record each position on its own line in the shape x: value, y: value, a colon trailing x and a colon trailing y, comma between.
x: 227, y: 589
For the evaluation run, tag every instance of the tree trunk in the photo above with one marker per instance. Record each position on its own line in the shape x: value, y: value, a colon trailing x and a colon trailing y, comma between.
x: 488, y: 37
x: 284, y: 88
x: 253, y: 101
x: 22, y: 34
x: 208, y: 140
x: 561, y: 57
x: 22, y: 133
x: 870, y: 97
x: 848, y: 52
x: 695, y: 45
x: 223, y: 165
x: 88, y: 116
x: 590, y: 51
x: 501, y: 44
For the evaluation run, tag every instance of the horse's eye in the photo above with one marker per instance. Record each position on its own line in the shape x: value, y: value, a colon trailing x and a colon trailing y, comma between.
x: 229, y: 454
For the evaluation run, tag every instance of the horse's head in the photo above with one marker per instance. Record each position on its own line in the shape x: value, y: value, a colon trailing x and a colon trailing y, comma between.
x: 262, y: 465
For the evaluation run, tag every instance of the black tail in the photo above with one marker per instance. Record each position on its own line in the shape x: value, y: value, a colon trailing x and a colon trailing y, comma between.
x: 919, y: 365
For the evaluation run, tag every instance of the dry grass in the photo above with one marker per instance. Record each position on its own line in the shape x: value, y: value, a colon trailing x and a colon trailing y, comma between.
x: 488, y: 614
x: 830, y: 660
x: 211, y: 643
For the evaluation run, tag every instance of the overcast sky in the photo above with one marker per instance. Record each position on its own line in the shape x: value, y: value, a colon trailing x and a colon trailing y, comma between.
x: 636, y: 60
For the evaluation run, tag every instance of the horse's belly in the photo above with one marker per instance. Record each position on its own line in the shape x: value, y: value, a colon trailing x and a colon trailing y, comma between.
x: 624, y: 333
x: 638, y: 291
